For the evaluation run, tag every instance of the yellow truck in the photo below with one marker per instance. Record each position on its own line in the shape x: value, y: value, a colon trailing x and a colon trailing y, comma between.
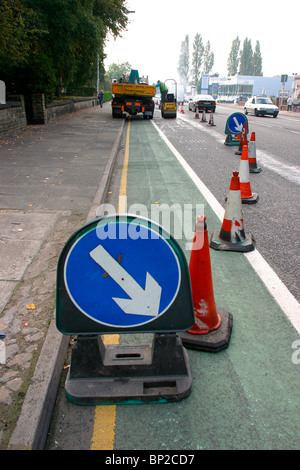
x: 132, y: 96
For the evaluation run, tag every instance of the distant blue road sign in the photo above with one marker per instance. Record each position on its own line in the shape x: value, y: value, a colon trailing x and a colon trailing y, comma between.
x: 120, y: 273
x: 235, y: 123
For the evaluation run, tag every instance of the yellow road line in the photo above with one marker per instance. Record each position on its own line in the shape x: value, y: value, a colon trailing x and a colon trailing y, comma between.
x: 105, y: 415
x: 123, y: 185
x: 104, y: 428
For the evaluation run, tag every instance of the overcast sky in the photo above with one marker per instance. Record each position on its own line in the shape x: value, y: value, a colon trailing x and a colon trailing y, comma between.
x: 156, y: 30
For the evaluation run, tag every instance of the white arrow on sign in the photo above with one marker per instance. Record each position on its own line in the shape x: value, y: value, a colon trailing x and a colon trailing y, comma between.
x: 239, y: 126
x: 141, y: 302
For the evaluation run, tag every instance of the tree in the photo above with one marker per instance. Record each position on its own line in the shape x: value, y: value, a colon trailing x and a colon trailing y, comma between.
x: 69, y: 39
x: 233, y: 58
x: 17, y: 33
x: 209, y: 59
x: 198, y: 50
x: 113, y: 14
x: 246, y: 58
x: 184, y: 61
x: 117, y: 70
x: 257, y: 60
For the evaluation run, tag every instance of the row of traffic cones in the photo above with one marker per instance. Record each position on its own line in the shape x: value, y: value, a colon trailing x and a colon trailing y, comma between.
x: 203, y: 118
x: 253, y: 168
x: 247, y: 165
x: 213, y: 325
x: 232, y: 235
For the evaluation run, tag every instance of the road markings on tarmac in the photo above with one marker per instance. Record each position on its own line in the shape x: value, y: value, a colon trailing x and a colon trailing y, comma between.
x: 123, y: 185
x: 105, y: 415
x: 291, y: 173
x: 287, y: 302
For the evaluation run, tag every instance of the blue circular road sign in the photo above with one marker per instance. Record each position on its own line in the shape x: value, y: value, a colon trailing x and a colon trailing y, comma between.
x: 235, y: 123
x: 123, y: 272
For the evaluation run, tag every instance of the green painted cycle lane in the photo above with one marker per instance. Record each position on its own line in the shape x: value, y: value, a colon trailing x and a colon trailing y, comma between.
x: 246, y: 397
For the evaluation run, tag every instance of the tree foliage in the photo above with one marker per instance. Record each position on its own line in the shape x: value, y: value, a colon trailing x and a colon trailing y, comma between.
x: 62, y: 41
x: 202, y: 60
x: 18, y: 33
x: 197, y: 57
x: 257, y: 60
x: 244, y: 61
x: 118, y: 70
x: 246, y: 58
x: 208, y: 59
x: 233, y: 59
x: 184, y: 61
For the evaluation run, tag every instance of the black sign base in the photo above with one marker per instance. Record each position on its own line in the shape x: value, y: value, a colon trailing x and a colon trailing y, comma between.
x: 128, y: 374
x: 211, y: 342
x: 231, y: 140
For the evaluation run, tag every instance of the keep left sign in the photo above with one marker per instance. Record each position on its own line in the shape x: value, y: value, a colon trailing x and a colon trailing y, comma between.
x: 123, y: 273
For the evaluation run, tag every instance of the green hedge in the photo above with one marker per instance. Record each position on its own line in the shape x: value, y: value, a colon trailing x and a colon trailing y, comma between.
x: 107, y: 96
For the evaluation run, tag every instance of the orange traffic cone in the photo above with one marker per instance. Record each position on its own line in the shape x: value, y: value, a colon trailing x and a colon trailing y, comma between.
x: 212, y: 328
x: 232, y: 236
x: 243, y: 140
x: 246, y: 194
x: 252, y: 155
x: 203, y: 119
x: 211, y: 119
x: 197, y: 113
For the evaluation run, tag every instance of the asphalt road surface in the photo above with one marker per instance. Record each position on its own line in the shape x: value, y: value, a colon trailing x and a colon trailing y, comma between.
x: 274, y: 220
x: 247, y: 396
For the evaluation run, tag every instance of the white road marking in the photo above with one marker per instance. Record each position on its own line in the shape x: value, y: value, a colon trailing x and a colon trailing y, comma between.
x: 291, y: 173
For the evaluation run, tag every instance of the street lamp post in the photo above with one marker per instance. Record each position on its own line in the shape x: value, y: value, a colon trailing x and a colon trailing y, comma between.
x: 98, y: 74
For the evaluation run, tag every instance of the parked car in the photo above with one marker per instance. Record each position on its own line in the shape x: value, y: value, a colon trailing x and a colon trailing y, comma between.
x: 206, y: 102
x: 260, y: 106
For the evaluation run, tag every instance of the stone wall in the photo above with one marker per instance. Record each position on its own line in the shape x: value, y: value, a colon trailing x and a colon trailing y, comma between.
x: 13, y: 114
x: 55, y: 110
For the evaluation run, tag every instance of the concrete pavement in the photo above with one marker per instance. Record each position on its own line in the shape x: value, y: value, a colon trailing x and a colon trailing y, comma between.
x: 52, y: 180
